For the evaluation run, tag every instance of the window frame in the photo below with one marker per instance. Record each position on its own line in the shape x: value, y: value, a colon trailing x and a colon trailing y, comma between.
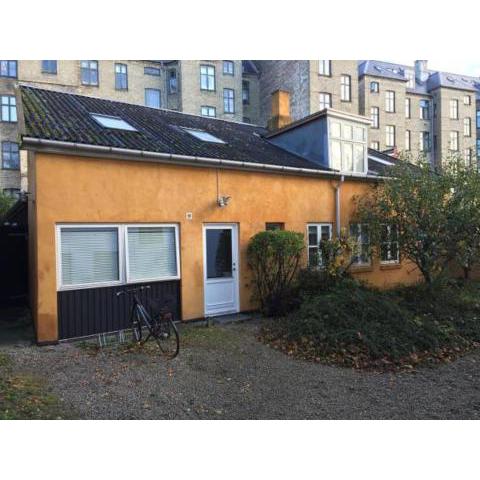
x: 245, y: 92
x: 48, y: 64
x: 117, y: 87
x: 345, y: 88
x: 376, y: 87
x: 152, y: 71
x: 274, y: 226
x: 228, y: 99
x: 122, y: 233
x: 389, y: 242
x: 375, y: 115
x: 228, y: 63
x: 325, y: 68
x: 90, y: 69
x: 394, y: 134
x: 207, y: 75
x: 377, y: 145
x: 408, y: 107
x: 5, y: 142
x: 454, y: 134
x: 408, y: 140
x: 453, y: 109
x: 390, y: 101
x: 208, y: 107
x: 319, y: 234
x: 324, y: 95
x: 369, y: 262
x: 424, y: 106
x: 467, y: 127
x: 425, y: 143
x: 467, y: 100
x: 9, y: 64
x: 159, y: 97
x: 172, y: 81
x: 128, y: 280
x: 10, y: 107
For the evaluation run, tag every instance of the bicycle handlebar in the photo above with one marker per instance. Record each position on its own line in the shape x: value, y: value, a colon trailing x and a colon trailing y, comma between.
x: 132, y: 290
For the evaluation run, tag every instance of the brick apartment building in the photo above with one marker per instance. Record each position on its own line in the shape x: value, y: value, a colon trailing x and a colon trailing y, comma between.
x: 412, y: 109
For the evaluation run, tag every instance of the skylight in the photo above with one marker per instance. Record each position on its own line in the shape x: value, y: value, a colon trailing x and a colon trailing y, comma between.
x: 202, y: 135
x: 116, y: 123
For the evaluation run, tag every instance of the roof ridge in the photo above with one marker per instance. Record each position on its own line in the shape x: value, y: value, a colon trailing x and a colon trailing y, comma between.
x: 34, y: 87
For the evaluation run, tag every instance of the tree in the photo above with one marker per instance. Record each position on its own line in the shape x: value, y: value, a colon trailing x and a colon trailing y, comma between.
x: 5, y: 203
x: 415, y: 199
x: 464, y: 215
x: 274, y: 257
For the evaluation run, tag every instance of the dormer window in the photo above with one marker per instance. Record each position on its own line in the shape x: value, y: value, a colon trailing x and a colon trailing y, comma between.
x: 202, y: 135
x: 348, y: 146
x: 115, y: 123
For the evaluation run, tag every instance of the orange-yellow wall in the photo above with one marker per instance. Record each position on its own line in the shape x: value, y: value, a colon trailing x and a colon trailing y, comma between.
x: 87, y: 190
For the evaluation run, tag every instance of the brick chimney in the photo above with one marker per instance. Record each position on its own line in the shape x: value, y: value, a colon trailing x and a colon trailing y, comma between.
x: 280, y: 110
x: 421, y: 73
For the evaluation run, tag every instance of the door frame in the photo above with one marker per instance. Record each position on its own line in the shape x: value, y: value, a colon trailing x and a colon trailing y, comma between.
x: 235, y: 259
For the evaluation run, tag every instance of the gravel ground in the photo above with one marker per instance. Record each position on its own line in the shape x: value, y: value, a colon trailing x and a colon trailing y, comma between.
x: 223, y: 372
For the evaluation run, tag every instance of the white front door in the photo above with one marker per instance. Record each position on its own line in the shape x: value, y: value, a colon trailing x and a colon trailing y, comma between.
x: 220, y: 265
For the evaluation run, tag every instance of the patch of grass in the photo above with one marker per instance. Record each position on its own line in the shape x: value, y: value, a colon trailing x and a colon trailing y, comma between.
x: 23, y: 397
x: 361, y: 327
x: 206, y: 337
x: 4, y: 360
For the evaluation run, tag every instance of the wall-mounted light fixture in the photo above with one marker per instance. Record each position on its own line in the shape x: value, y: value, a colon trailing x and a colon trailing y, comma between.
x: 223, y: 201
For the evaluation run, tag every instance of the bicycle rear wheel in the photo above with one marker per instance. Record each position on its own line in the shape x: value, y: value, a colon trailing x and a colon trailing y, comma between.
x: 137, y: 326
x: 167, y: 338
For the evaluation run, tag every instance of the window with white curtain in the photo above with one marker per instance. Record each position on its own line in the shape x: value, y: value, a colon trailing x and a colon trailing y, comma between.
x: 89, y: 255
x: 151, y: 253
x: 102, y: 255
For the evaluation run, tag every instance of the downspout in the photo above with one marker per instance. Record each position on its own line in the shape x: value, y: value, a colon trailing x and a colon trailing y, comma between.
x: 337, y: 205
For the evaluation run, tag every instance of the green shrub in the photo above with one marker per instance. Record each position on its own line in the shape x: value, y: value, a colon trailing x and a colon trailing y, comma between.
x: 355, y: 325
x: 274, y: 257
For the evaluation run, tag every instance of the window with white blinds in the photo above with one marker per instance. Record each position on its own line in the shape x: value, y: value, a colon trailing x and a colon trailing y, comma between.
x: 89, y: 255
x: 100, y: 255
x: 151, y: 253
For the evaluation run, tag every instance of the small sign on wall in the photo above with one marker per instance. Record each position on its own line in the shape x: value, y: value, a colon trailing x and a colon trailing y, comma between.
x: 189, y: 216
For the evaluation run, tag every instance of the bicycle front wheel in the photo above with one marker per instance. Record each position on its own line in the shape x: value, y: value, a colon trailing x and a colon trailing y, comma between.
x: 167, y: 338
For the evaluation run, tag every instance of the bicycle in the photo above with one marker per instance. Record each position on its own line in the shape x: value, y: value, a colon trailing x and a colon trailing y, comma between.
x: 161, y: 327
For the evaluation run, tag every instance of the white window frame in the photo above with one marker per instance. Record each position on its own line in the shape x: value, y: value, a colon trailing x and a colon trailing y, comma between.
x: 389, y: 243
x: 319, y: 235
x: 453, y: 109
x: 390, y: 101
x: 390, y: 132
x: 453, y: 141
x: 375, y: 117
x: 408, y: 108
x: 345, y: 88
x: 325, y: 68
x: 362, y: 225
x: 177, y: 252
x: 322, y: 97
x: 122, y: 231
x: 467, y: 127
x: 408, y: 140
x: 467, y: 100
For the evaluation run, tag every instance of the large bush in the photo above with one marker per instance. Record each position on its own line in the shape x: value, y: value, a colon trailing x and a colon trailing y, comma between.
x: 354, y: 325
x: 274, y: 257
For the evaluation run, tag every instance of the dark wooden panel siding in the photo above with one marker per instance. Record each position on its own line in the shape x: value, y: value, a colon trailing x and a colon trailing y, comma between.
x: 98, y: 310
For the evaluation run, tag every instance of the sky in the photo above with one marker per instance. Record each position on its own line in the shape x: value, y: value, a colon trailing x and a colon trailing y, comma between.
x: 467, y: 67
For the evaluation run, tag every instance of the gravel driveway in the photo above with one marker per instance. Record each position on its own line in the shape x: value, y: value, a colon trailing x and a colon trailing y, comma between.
x: 223, y: 372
